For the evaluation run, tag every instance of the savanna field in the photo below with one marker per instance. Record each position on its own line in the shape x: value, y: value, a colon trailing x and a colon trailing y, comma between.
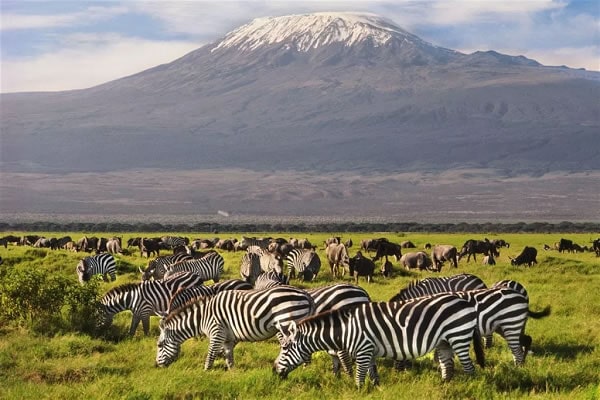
x: 47, y: 349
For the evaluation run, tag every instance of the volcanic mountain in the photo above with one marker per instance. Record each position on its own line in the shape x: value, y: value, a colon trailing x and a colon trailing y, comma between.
x: 315, y: 94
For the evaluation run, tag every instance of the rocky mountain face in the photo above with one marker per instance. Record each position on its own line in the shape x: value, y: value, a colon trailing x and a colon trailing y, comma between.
x: 314, y: 94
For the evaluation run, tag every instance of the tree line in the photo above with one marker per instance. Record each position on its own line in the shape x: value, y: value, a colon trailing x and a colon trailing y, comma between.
x: 517, y: 227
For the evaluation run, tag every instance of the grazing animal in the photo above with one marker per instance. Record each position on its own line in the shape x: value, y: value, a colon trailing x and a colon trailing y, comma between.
x: 565, y: 245
x: 143, y: 299
x: 337, y: 256
x: 596, y: 247
x: 527, y: 256
x: 418, y: 259
x: 430, y: 286
x: 157, y: 267
x: 392, y: 330
x: 170, y: 242
x: 191, y: 293
x: 210, y: 267
x: 489, y: 260
x: 148, y: 247
x: 113, y: 246
x: 303, y: 262
x: 230, y: 317
x: 100, y: 264
x: 387, y: 269
x: 472, y: 247
x: 407, y: 244
x: 269, y: 279
x: 502, y: 310
x: 361, y: 266
x: 442, y: 253
x: 385, y: 249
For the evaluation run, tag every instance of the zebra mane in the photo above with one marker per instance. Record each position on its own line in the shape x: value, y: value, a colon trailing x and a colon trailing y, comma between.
x: 187, y: 305
x: 345, y: 310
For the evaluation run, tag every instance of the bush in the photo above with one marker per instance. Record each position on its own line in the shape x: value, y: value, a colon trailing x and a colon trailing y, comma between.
x: 47, y: 304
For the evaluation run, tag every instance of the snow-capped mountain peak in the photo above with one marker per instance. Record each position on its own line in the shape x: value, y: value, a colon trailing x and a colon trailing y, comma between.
x: 310, y: 31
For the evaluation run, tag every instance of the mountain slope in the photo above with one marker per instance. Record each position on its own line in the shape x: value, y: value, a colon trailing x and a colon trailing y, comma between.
x: 324, y: 92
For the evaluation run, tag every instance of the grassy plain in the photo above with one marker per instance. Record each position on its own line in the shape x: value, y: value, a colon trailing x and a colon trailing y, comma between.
x: 565, y: 363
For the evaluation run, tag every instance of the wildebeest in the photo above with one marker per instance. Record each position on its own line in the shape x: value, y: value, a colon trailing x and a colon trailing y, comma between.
x: 148, y: 246
x: 385, y: 249
x: 386, y: 269
x: 407, y: 244
x: 444, y: 252
x: 361, y: 266
x: 113, y: 246
x: 369, y: 245
x: 596, y: 247
x: 565, y: 245
x: 500, y: 243
x: 337, y: 256
x: 489, y: 260
x: 472, y: 247
x: 418, y: 259
x: 527, y: 256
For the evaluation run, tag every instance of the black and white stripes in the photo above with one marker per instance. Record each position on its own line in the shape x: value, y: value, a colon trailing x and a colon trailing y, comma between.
x: 101, y: 264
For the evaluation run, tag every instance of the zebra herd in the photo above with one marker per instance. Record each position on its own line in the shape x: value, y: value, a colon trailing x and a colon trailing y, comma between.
x: 440, y: 314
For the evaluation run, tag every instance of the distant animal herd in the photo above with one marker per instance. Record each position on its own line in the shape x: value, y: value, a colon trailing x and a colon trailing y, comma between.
x: 441, y: 314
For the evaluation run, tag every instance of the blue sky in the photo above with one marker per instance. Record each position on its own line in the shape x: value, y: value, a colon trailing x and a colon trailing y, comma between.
x: 59, y: 45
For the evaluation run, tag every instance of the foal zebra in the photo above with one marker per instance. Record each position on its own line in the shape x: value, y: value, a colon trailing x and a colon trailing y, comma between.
x: 143, y: 299
x: 230, y: 317
x: 101, y: 264
x: 400, y: 330
x: 208, y: 267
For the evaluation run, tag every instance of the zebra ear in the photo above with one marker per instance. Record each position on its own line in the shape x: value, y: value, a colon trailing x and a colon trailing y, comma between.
x: 293, y: 328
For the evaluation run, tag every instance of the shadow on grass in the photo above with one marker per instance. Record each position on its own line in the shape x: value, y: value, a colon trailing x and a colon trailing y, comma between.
x: 561, y: 351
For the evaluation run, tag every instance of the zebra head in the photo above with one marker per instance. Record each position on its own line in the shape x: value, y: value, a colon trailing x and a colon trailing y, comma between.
x: 167, y: 350
x: 82, y: 272
x: 292, y: 352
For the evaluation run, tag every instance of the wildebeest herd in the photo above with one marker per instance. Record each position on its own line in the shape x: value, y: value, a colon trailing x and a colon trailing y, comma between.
x: 339, y: 318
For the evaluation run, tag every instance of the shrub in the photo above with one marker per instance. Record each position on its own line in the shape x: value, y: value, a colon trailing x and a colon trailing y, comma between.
x: 47, y: 304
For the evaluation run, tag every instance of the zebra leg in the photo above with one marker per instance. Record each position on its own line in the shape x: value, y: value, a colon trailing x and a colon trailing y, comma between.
x: 515, y: 347
x: 402, y: 365
x: 215, y: 347
x: 446, y: 357
x: 488, y: 340
x: 228, y: 353
x: 346, y: 361
x: 135, y: 321
x: 525, y: 342
x: 364, y: 361
x: 146, y: 324
x: 373, y: 372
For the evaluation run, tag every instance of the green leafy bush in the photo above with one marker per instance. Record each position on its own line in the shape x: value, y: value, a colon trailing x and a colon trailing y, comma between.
x: 47, y: 304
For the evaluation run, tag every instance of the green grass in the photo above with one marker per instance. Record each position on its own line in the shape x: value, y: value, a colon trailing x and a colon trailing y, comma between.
x: 565, y: 363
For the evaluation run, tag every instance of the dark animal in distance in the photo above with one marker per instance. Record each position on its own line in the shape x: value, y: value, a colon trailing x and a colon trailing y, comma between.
x: 361, y: 266
x: 527, y: 256
x: 472, y: 247
x: 385, y: 249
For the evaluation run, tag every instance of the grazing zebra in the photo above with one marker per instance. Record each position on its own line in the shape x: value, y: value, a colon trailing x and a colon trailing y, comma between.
x: 270, y: 279
x: 195, y: 292
x: 230, y: 317
x: 304, y: 262
x: 174, y: 241
x: 156, y: 268
x: 429, y: 286
x: 143, y: 299
x: 256, y: 261
x: 99, y: 264
x: 514, y: 285
x: 399, y: 330
x: 209, y: 267
x: 505, y: 311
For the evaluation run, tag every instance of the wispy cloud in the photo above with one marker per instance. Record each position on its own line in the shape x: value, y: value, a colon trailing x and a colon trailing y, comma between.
x: 89, y: 60
x: 15, y: 21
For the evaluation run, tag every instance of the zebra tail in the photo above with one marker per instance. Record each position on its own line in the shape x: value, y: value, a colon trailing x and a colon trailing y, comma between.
x: 478, y: 347
x: 540, y: 314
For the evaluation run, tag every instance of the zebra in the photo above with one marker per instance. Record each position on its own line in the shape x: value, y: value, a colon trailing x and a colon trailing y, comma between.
x: 190, y: 293
x: 143, y: 299
x: 230, y: 317
x: 100, y: 264
x: 514, y: 285
x: 429, y: 286
x: 157, y: 267
x: 270, y: 279
x: 396, y: 330
x: 209, y: 267
x: 174, y: 241
x: 255, y: 261
x: 505, y: 311
x: 305, y: 262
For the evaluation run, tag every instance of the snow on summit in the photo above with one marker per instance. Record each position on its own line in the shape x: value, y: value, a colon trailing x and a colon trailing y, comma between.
x: 310, y: 31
